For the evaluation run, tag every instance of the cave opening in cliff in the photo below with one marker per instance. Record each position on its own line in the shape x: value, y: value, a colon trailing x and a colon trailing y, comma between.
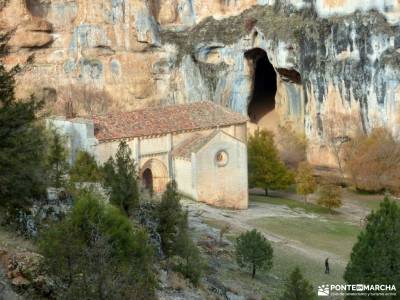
x: 37, y: 8
x: 261, y: 108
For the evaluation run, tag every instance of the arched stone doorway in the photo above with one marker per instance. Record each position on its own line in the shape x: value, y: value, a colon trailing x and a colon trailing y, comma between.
x: 148, y: 179
x: 154, y: 175
x: 261, y: 108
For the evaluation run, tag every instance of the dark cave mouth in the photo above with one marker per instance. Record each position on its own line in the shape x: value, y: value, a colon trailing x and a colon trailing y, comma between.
x: 37, y: 8
x: 262, y: 101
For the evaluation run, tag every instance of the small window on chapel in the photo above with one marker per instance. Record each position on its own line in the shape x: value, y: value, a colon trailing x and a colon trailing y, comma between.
x: 221, y: 158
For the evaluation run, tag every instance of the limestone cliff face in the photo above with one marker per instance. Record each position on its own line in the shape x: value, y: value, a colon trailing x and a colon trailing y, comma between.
x: 332, y: 57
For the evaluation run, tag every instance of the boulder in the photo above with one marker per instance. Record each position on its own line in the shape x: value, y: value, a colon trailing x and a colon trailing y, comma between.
x: 20, y: 283
x: 24, y: 270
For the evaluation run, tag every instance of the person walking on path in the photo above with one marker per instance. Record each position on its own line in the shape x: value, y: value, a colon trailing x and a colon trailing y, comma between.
x: 327, y: 266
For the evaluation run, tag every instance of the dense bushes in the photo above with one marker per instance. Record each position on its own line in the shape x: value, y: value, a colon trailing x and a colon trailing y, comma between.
x: 95, y: 253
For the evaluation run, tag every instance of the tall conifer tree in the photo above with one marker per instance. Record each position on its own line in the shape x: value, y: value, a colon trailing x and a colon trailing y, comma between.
x: 22, y: 148
x: 120, y: 176
x: 375, y: 258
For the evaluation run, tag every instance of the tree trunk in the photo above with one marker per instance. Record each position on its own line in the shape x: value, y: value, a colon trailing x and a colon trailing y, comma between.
x: 254, y: 271
x: 266, y: 192
x: 70, y: 276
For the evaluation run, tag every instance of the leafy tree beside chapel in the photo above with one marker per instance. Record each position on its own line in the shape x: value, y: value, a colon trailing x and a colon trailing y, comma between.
x: 266, y: 170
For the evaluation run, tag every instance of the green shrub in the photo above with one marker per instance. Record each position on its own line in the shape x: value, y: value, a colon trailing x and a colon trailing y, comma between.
x: 253, y: 250
x: 175, y: 236
x: 191, y: 265
x: 85, y: 168
x: 305, y: 180
x: 169, y: 215
x: 57, y: 164
x: 298, y: 288
x: 330, y: 196
x: 375, y: 258
x: 96, y: 253
x: 120, y: 177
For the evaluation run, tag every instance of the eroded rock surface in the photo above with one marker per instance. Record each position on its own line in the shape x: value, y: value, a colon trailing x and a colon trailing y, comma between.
x: 331, y: 57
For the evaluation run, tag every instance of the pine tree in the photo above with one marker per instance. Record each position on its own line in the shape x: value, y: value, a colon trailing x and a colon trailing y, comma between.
x: 305, y: 180
x: 191, y: 267
x: 375, y: 258
x: 85, y: 168
x: 57, y: 160
x: 254, y: 251
x: 266, y: 170
x: 170, y: 215
x: 176, y: 240
x: 22, y: 148
x: 96, y: 253
x: 330, y: 196
x: 298, y: 288
x: 120, y: 177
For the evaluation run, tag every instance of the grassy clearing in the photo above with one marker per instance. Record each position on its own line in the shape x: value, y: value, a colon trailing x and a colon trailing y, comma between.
x: 271, y: 284
x: 368, y: 203
x: 286, y: 259
x: 314, y: 229
x: 327, y: 235
x: 365, y: 200
x: 293, y: 204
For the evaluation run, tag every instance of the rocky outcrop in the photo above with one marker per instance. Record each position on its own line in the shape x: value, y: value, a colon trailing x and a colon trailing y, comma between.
x: 24, y: 271
x: 31, y: 34
x: 331, y: 57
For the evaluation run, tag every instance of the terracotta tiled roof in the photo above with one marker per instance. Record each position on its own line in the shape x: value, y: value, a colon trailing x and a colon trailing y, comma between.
x: 163, y: 120
x: 192, y: 145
